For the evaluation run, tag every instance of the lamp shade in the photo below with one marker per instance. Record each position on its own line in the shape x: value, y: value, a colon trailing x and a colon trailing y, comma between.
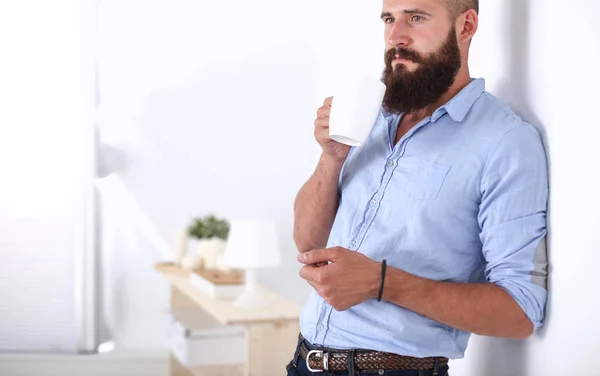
x: 252, y: 244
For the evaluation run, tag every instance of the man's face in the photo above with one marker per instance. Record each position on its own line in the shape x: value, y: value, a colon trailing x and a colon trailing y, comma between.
x: 422, y: 53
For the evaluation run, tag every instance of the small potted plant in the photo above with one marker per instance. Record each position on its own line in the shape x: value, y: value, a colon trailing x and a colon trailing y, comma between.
x: 211, y: 235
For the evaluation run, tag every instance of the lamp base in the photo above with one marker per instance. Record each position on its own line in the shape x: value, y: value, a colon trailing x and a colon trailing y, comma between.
x: 252, y: 297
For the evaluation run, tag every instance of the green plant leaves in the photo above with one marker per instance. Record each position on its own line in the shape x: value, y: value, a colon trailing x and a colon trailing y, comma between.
x: 209, y: 227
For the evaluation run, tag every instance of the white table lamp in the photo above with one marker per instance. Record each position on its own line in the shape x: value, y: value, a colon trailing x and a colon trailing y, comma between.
x: 252, y: 245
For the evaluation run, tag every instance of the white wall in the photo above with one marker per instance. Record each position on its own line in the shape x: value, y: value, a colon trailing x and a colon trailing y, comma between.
x: 542, y: 58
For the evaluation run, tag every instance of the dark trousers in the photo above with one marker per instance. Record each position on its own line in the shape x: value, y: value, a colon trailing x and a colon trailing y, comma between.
x: 297, y: 367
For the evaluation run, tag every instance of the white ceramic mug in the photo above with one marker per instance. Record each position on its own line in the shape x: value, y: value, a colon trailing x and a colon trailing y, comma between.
x: 354, y: 109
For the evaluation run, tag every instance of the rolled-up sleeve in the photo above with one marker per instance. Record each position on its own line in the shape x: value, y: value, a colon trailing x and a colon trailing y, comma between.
x: 512, y: 218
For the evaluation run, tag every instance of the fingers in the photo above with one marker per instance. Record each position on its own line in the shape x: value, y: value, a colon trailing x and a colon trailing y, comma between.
x: 321, y: 133
x: 308, y: 272
x: 322, y: 125
x: 324, y: 111
x: 318, y: 256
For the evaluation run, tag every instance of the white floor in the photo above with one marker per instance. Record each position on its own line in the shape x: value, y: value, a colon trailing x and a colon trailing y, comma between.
x: 116, y: 363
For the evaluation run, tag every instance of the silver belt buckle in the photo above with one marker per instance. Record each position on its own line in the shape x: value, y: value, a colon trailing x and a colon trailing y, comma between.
x: 318, y: 354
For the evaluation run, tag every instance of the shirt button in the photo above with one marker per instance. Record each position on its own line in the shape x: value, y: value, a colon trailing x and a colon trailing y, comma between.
x: 390, y: 163
x: 352, y: 244
x: 320, y: 327
x: 373, y: 202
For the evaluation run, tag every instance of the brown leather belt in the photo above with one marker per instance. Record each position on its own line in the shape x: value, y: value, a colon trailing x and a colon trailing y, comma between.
x: 337, y: 360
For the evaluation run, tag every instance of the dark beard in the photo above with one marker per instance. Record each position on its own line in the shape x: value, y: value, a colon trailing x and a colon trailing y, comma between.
x: 411, y: 91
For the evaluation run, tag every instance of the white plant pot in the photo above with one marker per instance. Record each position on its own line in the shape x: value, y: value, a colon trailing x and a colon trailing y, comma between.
x: 209, y: 253
x: 180, y: 250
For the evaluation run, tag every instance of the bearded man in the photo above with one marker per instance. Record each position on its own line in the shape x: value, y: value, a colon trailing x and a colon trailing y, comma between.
x: 435, y: 227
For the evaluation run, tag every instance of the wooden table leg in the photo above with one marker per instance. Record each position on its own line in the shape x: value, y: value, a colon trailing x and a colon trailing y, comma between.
x: 270, y: 347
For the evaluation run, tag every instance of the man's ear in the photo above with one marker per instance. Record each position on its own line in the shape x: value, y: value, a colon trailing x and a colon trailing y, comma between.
x: 466, y: 25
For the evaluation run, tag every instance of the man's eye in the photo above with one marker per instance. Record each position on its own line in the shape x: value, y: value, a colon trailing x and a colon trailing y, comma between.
x: 388, y: 20
x: 416, y: 18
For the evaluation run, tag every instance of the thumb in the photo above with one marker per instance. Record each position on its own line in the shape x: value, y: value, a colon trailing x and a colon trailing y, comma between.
x: 318, y: 256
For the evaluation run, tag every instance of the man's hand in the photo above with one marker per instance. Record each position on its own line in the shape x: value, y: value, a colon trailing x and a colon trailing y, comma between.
x: 342, y: 277
x: 331, y: 148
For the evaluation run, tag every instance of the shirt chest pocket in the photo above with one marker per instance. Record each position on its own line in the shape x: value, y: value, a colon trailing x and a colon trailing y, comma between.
x: 422, y: 179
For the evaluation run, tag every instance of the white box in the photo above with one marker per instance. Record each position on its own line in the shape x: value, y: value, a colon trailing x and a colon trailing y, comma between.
x: 215, y: 291
x: 197, y: 339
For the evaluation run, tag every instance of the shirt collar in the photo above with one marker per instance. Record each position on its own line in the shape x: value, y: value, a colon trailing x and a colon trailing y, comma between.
x: 461, y: 103
x: 457, y: 107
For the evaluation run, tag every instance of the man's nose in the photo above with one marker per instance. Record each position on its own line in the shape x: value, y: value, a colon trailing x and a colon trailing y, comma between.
x: 399, y: 36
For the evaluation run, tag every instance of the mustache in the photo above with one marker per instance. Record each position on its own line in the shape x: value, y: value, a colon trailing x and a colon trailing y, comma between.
x: 403, y: 53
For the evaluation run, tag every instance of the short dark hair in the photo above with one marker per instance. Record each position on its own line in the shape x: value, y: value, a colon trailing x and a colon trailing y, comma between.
x: 458, y: 7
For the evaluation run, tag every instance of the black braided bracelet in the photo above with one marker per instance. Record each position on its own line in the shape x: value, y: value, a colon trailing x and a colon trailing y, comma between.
x: 383, y: 267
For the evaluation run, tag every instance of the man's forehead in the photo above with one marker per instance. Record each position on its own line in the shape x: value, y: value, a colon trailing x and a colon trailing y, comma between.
x: 402, y: 5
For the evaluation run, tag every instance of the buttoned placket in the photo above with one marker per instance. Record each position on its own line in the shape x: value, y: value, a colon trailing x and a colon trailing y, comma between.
x: 373, y: 205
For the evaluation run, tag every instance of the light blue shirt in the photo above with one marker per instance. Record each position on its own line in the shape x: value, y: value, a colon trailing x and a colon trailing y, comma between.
x: 462, y: 197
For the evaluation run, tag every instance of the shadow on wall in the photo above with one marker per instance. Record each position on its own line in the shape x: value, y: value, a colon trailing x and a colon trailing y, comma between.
x: 502, y: 357
x: 517, y: 94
